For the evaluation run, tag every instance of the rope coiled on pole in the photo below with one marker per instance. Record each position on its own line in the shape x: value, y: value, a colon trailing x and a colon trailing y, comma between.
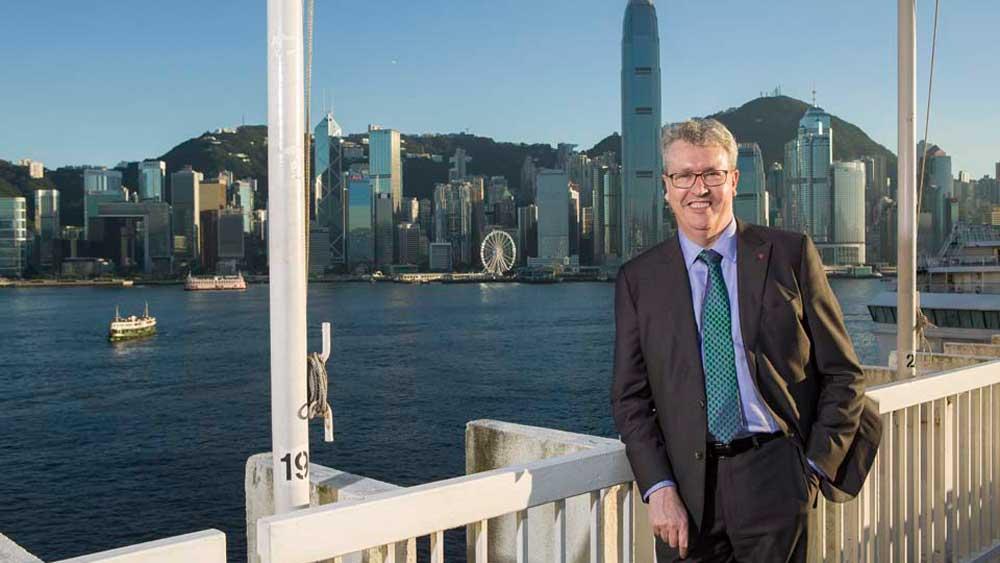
x: 317, y: 383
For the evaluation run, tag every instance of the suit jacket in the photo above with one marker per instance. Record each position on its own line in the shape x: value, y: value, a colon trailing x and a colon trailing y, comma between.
x: 797, y: 348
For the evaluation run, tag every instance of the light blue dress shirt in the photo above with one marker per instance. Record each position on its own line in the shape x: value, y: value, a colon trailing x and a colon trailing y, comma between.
x: 756, y: 417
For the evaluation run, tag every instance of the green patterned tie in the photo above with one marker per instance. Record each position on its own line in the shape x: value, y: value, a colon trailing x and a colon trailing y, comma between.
x: 722, y: 389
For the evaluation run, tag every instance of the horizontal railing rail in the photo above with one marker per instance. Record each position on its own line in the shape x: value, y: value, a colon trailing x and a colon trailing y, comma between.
x: 432, y: 508
x: 207, y: 546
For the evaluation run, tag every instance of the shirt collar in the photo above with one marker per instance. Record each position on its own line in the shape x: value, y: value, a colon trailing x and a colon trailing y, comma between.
x: 724, y: 245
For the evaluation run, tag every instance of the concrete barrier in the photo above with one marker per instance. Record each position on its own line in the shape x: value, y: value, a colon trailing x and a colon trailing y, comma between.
x: 491, y: 444
x: 326, y: 486
x: 972, y: 349
x: 929, y: 362
x: 10, y: 552
x: 878, y: 375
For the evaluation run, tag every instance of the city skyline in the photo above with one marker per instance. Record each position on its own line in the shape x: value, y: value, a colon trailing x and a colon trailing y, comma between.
x: 474, y: 75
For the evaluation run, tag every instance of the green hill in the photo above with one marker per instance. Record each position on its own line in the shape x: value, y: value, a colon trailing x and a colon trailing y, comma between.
x: 244, y: 152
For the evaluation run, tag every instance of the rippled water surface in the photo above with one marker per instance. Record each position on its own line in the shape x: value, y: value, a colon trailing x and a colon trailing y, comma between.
x: 104, y: 445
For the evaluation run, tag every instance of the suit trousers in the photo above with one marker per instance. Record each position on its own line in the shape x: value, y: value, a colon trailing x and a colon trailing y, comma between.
x: 757, y: 508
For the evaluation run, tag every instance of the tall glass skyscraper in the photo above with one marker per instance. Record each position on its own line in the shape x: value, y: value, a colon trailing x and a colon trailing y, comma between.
x: 642, y: 164
x: 360, y: 218
x: 807, y: 176
x: 152, y: 178
x: 328, y: 185
x: 849, y: 205
x: 751, y: 200
x: 385, y: 164
x: 13, y: 235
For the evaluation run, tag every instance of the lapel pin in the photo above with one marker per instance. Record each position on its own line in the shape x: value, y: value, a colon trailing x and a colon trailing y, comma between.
x: 760, y: 255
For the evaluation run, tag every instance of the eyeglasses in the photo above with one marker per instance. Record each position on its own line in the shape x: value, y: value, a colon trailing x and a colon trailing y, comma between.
x: 710, y: 178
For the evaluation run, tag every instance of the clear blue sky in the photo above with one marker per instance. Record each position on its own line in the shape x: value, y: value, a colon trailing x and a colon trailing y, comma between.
x: 99, y: 82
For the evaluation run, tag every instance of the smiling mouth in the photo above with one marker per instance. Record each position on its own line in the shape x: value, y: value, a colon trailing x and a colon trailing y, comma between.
x: 700, y: 204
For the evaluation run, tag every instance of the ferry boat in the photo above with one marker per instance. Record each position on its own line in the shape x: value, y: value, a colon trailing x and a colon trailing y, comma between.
x: 215, y: 283
x: 959, y: 292
x: 127, y: 328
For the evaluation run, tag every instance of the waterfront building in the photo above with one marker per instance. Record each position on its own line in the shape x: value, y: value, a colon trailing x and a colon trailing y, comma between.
x: 553, y: 220
x: 439, y: 259
x: 408, y: 242
x: 526, y: 191
x: 13, y: 236
x: 775, y: 186
x: 185, y: 192
x: 807, y: 169
x: 426, y: 218
x: 360, y: 227
x: 47, y: 228
x: 35, y: 168
x: 611, y: 212
x: 573, y: 219
x: 91, y: 204
x: 581, y: 175
x: 453, y: 220
x: 458, y: 162
x: 876, y: 189
x: 938, y: 195
x: 527, y: 233
x: 133, y: 235
x: 329, y: 189
x: 642, y: 200
x: 101, y: 180
x: 476, y: 197
x: 47, y: 225
x: 152, y: 180
x: 244, y: 191
x: 385, y: 165
x: 319, y: 249
x: 212, y: 195
x: 384, y: 243
x: 847, y: 244
x: 231, y: 249
x: 751, y: 202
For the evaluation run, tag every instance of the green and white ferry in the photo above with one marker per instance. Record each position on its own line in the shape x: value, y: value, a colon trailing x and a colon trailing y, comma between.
x: 128, y: 328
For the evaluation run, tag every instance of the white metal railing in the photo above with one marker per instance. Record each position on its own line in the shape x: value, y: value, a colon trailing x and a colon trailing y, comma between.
x: 207, y: 546
x: 428, y: 510
x: 934, y: 492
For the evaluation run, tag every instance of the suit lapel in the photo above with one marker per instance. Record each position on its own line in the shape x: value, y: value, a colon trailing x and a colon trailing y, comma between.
x: 753, y: 255
x: 679, y: 327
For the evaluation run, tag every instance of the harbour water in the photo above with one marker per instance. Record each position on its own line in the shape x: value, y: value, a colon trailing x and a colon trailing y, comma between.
x: 104, y: 445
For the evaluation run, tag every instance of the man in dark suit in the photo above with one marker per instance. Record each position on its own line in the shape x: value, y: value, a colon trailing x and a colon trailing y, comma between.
x: 736, y: 389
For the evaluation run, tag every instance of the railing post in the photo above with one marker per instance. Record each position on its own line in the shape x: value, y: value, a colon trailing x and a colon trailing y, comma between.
x: 286, y: 252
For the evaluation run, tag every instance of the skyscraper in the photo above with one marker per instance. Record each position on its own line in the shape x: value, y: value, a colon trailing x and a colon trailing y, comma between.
x: 553, y: 217
x: 384, y: 164
x: 751, y: 200
x: 807, y: 176
x: 245, y: 190
x: 13, y: 235
x: 47, y: 214
x: 360, y: 227
x: 642, y: 164
x: 152, y: 177
x: 384, y: 243
x: 848, y: 231
x: 938, y: 195
x: 453, y: 220
x: 458, y: 162
x: 101, y: 180
x: 185, y: 191
x: 329, y: 187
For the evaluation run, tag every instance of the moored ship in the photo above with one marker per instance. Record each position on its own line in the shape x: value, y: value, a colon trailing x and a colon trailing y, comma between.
x: 215, y: 283
x: 128, y: 328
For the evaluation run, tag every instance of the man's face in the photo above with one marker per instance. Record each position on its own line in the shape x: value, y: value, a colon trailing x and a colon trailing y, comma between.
x: 702, y: 212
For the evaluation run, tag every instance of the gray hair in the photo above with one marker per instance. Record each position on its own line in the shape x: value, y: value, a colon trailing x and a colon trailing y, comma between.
x: 699, y: 132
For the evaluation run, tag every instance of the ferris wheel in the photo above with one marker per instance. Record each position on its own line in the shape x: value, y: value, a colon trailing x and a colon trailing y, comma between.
x: 498, y: 253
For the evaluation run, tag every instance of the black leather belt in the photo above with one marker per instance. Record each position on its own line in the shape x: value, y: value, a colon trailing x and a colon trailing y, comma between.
x: 740, y: 445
